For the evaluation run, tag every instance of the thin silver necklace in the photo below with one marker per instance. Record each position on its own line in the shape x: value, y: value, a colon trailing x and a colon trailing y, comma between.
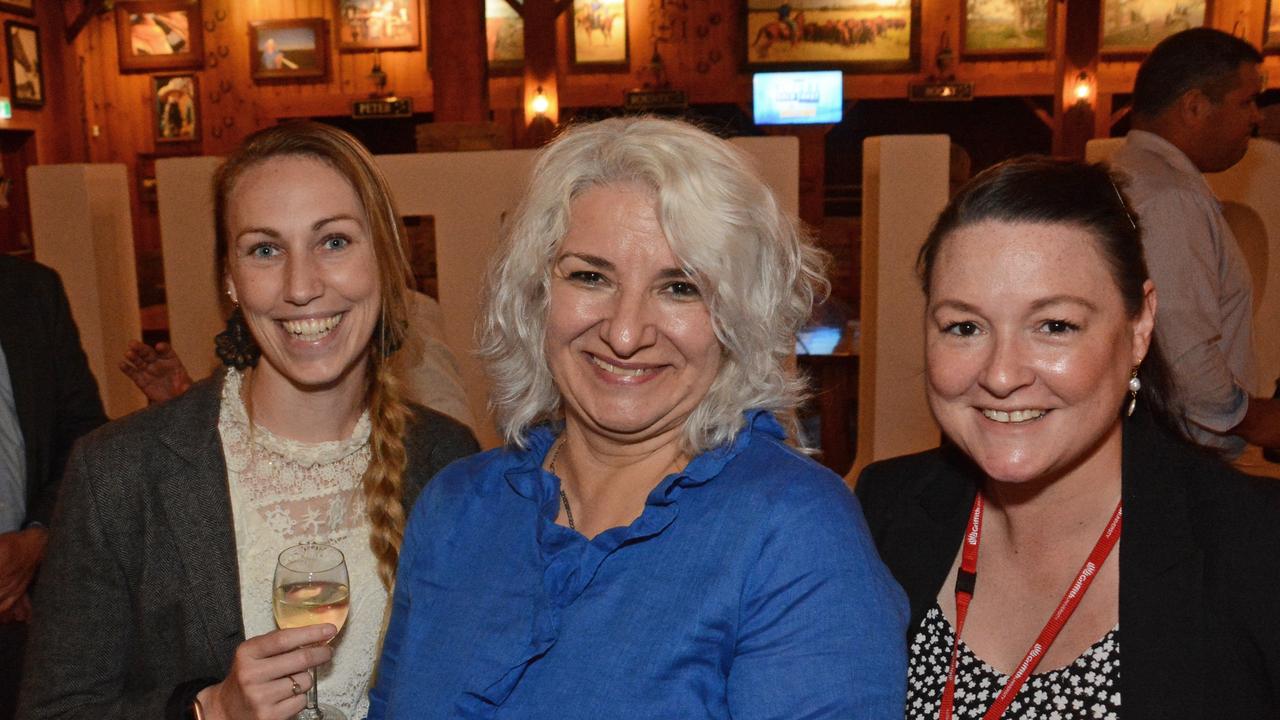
x: 564, y: 499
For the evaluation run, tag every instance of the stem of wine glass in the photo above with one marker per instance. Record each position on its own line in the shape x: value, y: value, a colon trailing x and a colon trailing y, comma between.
x: 312, y: 711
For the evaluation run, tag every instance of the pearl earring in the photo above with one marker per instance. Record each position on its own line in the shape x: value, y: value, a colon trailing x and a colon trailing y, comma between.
x: 1134, y: 386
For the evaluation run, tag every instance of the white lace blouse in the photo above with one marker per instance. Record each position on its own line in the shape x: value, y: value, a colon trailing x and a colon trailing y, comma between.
x: 285, y: 492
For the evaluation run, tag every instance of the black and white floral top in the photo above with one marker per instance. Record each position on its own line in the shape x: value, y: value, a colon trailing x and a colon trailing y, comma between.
x: 1087, y: 689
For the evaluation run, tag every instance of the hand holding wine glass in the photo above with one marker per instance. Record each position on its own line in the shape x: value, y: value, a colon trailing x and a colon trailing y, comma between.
x: 268, y: 679
x: 311, y: 588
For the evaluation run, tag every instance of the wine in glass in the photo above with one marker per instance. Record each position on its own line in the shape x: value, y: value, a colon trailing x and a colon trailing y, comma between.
x: 311, y: 588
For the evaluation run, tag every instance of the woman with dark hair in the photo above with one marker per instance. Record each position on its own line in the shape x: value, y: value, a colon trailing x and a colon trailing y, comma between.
x: 161, y: 558
x: 1058, y: 416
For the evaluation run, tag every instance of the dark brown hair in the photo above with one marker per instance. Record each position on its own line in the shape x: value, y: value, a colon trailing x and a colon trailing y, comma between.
x: 1042, y: 190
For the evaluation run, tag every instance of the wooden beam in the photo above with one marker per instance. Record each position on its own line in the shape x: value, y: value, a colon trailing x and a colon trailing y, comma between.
x: 91, y: 8
x: 459, y: 67
x: 1074, y: 121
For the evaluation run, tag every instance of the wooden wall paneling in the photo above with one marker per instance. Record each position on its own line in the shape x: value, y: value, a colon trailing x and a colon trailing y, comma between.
x: 55, y: 125
x: 459, y: 66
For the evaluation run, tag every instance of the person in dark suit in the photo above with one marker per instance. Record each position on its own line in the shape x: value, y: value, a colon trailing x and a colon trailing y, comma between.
x: 156, y: 596
x: 1061, y: 431
x: 48, y: 398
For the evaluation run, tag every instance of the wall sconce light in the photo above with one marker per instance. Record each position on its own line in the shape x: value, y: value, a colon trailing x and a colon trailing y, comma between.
x: 540, y: 104
x: 1082, y: 91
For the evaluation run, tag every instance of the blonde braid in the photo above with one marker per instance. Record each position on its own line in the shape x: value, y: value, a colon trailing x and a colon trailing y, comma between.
x: 384, y: 479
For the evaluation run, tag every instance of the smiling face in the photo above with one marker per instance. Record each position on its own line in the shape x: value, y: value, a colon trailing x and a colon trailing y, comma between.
x: 1029, y: 348
x: 629, y: 338
x: 301, y: 265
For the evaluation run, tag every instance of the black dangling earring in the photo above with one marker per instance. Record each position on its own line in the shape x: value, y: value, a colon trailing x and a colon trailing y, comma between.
x: 235, y: 345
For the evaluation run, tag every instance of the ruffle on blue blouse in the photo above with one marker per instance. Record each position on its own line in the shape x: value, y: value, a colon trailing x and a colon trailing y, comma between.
x: 571, y: 561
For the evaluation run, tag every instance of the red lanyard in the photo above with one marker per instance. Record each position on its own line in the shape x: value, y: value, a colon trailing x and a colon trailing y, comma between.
x: 966, y: 579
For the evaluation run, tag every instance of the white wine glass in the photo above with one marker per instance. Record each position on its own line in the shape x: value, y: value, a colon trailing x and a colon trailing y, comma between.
x: 311, y: 588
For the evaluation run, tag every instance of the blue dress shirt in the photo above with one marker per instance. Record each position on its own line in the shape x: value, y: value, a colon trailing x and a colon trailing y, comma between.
x: 749, y: 587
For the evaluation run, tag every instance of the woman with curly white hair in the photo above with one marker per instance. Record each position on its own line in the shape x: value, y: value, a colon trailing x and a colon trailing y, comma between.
x: 648, y: 544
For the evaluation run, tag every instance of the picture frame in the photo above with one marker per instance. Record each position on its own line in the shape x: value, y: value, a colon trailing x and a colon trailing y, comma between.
x: 289, y: 49
x: 504, y: 37
x: 377, y: 25
x: 598, y: 37
x: 19, y: 7
x: 175, y: 108
x: 849, y: 35
x: 26, y: 69
x: 1271, y: 27
x: 1133, y: 27
x: 993, y: 29
x: 156, y: 35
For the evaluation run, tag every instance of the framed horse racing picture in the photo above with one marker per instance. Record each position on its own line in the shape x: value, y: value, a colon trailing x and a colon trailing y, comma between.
x: 599, y: 38
x: 852, y: 35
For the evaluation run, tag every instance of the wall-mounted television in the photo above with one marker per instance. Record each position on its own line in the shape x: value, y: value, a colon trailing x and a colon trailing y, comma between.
x: 798, y: 98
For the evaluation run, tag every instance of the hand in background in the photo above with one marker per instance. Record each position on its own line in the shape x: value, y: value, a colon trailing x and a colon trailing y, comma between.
x: 20, y: 555
x: 158, y: 372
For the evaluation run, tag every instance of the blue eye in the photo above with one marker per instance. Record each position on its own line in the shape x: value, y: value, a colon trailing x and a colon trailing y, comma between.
x: 336, y: 242
x: 263, y: 251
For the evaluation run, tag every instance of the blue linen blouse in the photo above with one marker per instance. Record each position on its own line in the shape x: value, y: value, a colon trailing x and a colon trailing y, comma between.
x: 749, y: 587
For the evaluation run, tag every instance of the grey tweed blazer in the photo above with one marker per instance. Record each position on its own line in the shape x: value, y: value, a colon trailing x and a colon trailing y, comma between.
x: 139, y: 592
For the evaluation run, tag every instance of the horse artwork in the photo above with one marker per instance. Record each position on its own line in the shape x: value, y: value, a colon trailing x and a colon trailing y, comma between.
x: 870, y: 34
x: 600, y: 32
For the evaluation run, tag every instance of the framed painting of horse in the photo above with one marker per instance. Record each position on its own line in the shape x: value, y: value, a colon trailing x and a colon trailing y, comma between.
x: 852, y: 35
x: 599, y: 38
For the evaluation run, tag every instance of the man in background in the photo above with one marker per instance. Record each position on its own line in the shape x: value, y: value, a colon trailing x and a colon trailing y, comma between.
x: 1194, y: 109
x: 48, y: 398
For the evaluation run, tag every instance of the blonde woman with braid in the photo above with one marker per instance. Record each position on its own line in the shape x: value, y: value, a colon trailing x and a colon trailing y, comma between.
x: 155, y: 597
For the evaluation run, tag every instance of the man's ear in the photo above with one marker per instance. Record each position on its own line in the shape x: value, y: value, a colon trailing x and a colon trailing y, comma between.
x: 1194, y: 107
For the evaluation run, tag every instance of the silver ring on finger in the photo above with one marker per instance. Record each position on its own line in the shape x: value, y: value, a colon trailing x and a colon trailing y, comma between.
x: 297, y: 689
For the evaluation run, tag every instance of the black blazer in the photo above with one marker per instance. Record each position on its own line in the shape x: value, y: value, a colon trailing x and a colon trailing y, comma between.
x: 140, y: 591
x: 1199, y: 568
x: 54, y: 393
